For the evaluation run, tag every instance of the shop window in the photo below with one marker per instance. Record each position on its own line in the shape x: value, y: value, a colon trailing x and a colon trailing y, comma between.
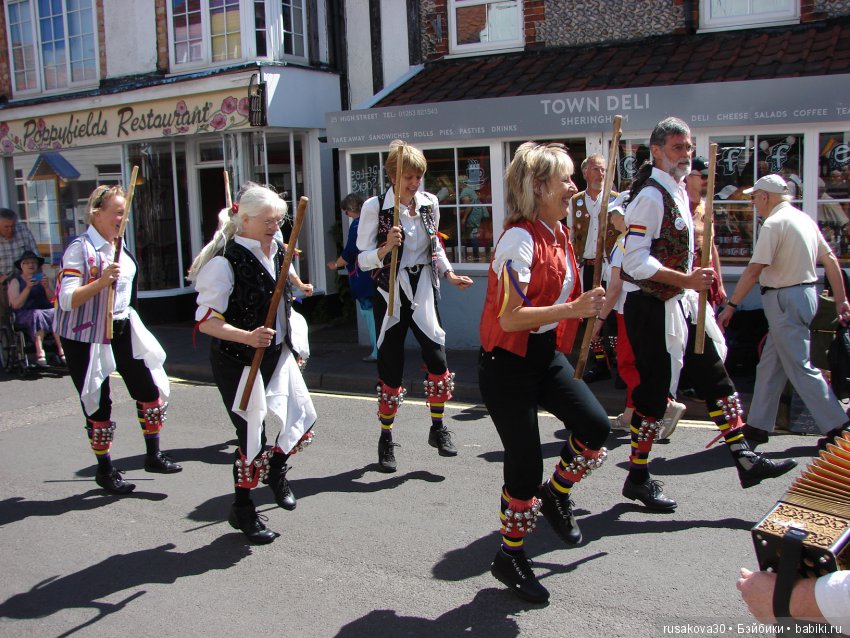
x: 741, y: 161
x: 742, y: 14
x: 158, y: 236
x: 52, y: 44
x: 485, y: 25
x: 834, y: 192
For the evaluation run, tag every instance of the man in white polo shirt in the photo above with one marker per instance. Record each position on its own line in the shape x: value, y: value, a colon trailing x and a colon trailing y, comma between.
x: 784, y: 262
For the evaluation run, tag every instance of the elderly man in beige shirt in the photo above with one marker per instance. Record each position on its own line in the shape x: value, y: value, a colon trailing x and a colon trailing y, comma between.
x: 784, y: 263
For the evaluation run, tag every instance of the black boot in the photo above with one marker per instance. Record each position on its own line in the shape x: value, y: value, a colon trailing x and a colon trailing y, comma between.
x: 761, y: 468
x: 558, y: 512
x: 441, y: 438
x: 386, y: 454
x: 514, y: 570
x: 159, y: 463
x: 650, y: 494
x: 282, y: 490
x: 246, y: 520
x: 112, y: 481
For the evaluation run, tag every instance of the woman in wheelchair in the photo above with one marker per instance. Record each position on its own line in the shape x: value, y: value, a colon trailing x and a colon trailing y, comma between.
x: 29, y: 298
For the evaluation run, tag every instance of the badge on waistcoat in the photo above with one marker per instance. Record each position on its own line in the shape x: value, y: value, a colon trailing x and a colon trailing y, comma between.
x: 94, y: 272
x: 579, y: 202
x: 679, y: 223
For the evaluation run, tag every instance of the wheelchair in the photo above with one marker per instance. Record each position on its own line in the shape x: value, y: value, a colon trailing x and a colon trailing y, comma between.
x: 14, y: 357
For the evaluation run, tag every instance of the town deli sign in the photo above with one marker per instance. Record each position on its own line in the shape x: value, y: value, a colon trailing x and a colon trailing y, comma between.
x: 205, y: 113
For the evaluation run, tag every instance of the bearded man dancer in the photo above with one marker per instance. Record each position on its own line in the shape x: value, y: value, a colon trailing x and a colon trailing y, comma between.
x: 660, y: 315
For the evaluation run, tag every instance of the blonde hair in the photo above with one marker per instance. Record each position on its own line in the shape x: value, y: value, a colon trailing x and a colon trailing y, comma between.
x: 251, y: 200
x: 414, y: 159
x: 100, y: 196
x: 532, y: 165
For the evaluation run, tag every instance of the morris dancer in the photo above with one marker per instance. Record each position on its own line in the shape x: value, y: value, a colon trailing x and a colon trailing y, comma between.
x: 531, y: 314
x: 421, y: 263
x: 660, y: 314
x: 88, y: 271
x: 235, y: 276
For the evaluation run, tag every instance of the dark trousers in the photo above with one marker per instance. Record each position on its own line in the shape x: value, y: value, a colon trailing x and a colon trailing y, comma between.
x: 609, y: 327
x: 514, y: 387
x: 391, y: 352
x: 134, y: 372
x: 644, y: 316
x: 226, y: 373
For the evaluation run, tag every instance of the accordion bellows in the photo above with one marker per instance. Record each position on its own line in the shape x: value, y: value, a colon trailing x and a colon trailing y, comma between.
x: 818, y: 503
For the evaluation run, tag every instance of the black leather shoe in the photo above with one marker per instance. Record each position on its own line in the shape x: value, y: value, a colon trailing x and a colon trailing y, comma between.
x: 160, y: 463
x: 558, y: 512
x: 441, y: 439
x: 596, y: 374
x: 755, y: 436
x: 386, y: 454
x: 650, y: 494
x: 763, y: 468
x: 246, y: 520
x: 112, y: 481
x: 514, y: 570
x: 282, y: 490
x: 832, y: 435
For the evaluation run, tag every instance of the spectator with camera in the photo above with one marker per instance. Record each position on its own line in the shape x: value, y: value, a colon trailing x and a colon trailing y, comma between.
x: 29, y: 297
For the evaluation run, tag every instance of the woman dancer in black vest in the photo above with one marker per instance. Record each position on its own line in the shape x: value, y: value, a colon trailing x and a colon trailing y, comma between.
x: 421, y: 263
x: 235, y: 276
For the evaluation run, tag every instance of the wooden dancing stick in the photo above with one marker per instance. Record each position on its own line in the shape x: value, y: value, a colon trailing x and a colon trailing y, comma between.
x: 228, y: 198
x: 394, y: 258
x: 282, y: 278
x: 707, y: 244
x: 600, y: 239
x: 119, y: 243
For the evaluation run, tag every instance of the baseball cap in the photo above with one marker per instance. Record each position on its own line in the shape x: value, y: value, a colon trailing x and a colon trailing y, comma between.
x: 618, y: 205
x: 700, y: 164
x: 768, y: 184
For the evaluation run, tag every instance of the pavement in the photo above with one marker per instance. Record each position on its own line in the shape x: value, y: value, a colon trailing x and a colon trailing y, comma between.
x: 336, y: 365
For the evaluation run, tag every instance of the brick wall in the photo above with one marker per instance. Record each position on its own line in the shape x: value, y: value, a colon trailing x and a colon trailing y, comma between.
x: 161, y: 36
x: 5, y: 64
x: 101, y: 37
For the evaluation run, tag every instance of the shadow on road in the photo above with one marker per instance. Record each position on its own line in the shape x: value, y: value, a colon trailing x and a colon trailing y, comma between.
x: 345, y: 482
x: 17, y: 508
x: 490, y: 614
x: 158, y: 565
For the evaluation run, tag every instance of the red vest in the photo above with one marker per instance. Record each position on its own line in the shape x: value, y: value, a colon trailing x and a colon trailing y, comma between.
x: 548, y: 270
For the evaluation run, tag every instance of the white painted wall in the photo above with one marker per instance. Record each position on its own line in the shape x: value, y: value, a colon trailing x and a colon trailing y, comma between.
x: 130, y: 28
x: 394, y: 29
x: 359, y: 50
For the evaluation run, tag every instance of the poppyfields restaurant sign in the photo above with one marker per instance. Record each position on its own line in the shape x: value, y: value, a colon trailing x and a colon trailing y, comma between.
x: 204, y: 113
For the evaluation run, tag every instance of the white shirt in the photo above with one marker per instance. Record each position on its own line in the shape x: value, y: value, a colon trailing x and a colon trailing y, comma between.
x: 417, y: 242
x: 646, y: 211
x: 593, y: 206
x: 75, y: 259
x: 517, y: 245
x: 215, y: 281
x: 832, y: 593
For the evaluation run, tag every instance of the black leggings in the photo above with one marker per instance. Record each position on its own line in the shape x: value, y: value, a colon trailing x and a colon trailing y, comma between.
x: 227, y: 373
x: 391, y: 352
x: 644, y: 316
x: 134, y: 372
x: 514, y: 387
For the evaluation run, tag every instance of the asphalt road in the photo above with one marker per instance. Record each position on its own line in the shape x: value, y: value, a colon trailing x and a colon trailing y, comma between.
x: 365, y: 553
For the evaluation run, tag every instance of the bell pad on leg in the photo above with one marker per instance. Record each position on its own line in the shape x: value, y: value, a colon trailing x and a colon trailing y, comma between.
x: 151, y: 415
x: 250, y: 473
x: 439, y: 387
x: 389, y: 398
x: 100, y: 434
x: 520, y: 517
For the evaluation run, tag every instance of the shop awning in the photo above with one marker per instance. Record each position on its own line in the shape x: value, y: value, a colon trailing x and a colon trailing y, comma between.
x: 53, y: 164
x: 820, y: 48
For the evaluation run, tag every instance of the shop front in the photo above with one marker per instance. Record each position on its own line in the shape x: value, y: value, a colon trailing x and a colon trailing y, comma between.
x: 795, y: 127
x: 184, y: 140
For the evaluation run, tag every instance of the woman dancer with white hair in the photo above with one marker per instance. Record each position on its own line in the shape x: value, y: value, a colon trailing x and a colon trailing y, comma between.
x: 235, y: 276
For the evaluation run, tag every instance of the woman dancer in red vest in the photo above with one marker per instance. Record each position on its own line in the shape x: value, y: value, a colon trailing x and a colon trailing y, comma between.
x: 531, y: 313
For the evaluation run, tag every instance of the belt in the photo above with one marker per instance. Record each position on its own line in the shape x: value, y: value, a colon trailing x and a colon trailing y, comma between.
x: 414, y: 270
x: 588, y: 262
x: 764, y: 289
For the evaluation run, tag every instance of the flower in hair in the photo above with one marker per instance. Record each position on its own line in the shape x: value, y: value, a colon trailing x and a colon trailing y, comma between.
x: 234, y: 208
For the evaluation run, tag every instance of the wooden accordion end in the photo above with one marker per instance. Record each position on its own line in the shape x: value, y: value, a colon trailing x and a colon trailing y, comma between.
x: 818, y: 504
